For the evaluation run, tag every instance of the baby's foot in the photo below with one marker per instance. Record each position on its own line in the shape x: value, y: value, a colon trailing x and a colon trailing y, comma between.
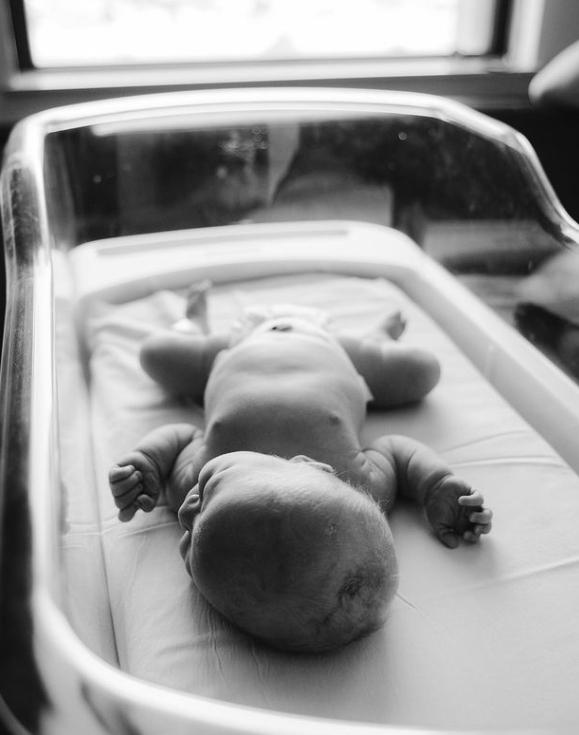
x: 196, y: 308
x: 196, y: 319
x: 394, y: 324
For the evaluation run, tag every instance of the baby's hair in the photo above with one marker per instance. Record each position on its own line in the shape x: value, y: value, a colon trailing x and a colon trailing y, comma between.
x: 368, y: 583
x: 304, y: 571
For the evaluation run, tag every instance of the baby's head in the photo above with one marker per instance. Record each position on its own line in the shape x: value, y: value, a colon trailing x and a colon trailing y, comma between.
x: 288, y: 552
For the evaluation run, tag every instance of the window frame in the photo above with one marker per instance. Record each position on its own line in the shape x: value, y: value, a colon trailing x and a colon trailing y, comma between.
x: 498, y: 80
x: 495, y: 44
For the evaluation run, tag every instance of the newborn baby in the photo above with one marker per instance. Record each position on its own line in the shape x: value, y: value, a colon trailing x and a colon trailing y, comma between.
x: 284, y: 511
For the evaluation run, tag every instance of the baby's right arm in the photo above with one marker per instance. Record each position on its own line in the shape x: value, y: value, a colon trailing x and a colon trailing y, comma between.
x: 138, y: 479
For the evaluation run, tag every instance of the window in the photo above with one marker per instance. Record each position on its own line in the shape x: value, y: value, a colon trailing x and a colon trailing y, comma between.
x: 67, y: 33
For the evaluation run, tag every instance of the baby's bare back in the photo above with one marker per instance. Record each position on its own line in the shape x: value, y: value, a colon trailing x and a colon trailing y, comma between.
x: 285, y: 393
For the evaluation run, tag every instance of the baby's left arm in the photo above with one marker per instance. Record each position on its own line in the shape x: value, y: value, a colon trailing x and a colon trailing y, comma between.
x: 158, y: 462
x: 453, y: 508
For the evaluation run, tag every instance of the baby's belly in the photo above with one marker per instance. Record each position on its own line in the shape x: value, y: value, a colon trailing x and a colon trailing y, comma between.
x: 285, y: 422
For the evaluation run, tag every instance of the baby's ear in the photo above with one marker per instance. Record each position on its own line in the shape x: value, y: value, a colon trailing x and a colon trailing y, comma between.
x: 189, y: 509
x: 308, y: 460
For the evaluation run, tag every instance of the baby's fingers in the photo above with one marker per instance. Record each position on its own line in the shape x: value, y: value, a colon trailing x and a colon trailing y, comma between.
x: 123, y: 479
x: 120, y: 472
x: 474, y: 498
x: 448, y: 537
x: 482, y: 523
x: 482, y: 517
x: 128, y: 491
x: 126, y: 514
x: 146, y: 503
x: 475, y: 533
x: 142, y: 502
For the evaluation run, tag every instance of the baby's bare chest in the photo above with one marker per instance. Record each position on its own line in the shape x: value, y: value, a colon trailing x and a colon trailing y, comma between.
x: 284, y: 422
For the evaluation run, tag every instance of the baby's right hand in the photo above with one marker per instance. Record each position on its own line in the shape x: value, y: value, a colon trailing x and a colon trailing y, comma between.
x: 134, y: 486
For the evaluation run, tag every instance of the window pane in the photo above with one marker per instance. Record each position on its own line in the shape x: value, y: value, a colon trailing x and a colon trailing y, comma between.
x: 89, y: 32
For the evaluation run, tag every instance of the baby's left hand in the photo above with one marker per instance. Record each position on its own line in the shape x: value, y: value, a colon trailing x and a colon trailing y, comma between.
x: 455, y: 510
x: 134, y: 484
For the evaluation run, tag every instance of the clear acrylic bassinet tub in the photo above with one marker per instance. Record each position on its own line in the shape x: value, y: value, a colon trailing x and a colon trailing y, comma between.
x: 359, y: 202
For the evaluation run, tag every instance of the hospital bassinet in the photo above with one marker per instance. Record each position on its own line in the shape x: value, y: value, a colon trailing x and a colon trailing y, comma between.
x: 358, y: 202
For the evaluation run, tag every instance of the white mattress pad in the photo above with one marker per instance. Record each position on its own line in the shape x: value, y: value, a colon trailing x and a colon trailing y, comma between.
x: 483, y: 636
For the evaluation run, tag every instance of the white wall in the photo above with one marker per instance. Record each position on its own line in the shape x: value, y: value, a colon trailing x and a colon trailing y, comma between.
x: 541, y: 29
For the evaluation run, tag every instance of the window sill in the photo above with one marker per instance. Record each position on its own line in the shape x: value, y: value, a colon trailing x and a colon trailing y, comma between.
x: 483, y: 84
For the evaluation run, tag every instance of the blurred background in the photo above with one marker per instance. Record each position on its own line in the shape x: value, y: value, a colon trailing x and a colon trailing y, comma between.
x: 68, y: 33
x: 484, y: 53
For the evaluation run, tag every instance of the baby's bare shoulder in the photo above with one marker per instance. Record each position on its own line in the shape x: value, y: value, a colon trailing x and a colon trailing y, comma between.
x: 376, y: 473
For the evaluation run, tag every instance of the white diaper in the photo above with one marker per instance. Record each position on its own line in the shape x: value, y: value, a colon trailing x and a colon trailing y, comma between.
x: 278, y: 316
x: 286, y: 317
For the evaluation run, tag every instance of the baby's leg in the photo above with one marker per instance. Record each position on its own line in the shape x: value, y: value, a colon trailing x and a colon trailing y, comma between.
x: 181, y: 358
x: 395, y: 373
x: 181, y: 362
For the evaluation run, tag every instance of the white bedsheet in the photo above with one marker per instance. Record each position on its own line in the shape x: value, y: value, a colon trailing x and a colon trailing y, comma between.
x: 482, y: 636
